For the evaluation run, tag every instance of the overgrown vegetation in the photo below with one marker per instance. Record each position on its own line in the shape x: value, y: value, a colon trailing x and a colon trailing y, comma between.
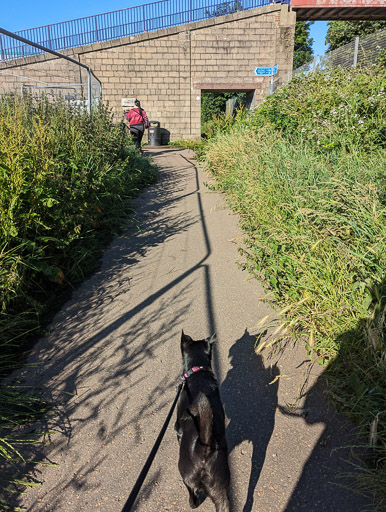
x: 65, y: 178
x: 340, y: 33
x: 214, y: 119
x: 221, y: 123
x: 226, y: 8
x: 306, y: 174
x: 341, y: 109
x: 213, y: 105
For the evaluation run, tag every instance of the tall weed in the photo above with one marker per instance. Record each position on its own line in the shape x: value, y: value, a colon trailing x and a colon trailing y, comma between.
x: 65, y: 178
x: 308, y: 182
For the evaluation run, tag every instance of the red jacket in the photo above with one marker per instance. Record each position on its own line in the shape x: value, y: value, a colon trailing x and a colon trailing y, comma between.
x: 134, y: 117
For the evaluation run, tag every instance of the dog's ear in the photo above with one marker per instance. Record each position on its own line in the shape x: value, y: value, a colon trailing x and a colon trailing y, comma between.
x: 211, y: 339
x: 185, y: 337
x: 210, y: 342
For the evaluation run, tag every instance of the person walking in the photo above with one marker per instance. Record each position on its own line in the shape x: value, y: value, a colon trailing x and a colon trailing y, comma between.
x: 138, y: 121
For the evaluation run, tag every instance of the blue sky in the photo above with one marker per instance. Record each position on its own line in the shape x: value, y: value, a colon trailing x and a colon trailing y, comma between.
x: 22, y: 14
x: 318, y: 32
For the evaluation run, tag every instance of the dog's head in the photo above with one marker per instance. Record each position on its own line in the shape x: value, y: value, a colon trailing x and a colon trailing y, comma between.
x: 196, y: 352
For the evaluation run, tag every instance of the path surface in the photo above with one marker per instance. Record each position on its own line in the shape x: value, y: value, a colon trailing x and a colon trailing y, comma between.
x: 113, y: 354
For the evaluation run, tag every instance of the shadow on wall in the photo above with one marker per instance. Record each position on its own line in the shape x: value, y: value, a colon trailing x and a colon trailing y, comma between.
x: 165, y: 137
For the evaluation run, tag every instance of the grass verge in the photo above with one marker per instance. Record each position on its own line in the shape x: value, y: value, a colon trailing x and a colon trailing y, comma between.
x: 65, y: 181
x: 306, y: 174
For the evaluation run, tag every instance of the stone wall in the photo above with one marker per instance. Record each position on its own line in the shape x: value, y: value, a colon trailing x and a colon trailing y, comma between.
x: 36, y: 73
x: 168, y: 69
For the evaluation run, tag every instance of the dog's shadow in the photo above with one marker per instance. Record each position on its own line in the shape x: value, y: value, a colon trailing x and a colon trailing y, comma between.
x: 250, y: 403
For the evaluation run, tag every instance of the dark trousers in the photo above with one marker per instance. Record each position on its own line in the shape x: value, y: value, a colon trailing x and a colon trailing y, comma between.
x: 136, y: 131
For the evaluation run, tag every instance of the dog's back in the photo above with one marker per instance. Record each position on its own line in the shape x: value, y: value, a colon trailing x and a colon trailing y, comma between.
x: 200, y: 426
x: 202, y: 414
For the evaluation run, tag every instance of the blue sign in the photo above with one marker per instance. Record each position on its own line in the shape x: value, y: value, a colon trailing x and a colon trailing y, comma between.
x: 266, y: 71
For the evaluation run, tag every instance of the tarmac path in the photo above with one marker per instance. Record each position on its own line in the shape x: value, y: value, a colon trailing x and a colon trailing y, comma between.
x: 112, y: 358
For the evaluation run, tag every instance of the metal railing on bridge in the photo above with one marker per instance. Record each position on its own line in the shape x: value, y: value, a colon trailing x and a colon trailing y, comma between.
x: 122, y: 23
x: 72, y: 80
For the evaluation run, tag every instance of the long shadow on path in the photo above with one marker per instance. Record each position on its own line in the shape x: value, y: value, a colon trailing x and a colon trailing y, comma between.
x: 250, y: 403
x: 93, y: 355
x: 324, y: 483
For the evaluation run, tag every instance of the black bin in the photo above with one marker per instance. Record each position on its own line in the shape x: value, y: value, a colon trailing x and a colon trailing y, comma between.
x: 154, y: 133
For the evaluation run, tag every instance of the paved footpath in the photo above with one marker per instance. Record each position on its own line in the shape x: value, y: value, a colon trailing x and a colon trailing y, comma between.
x: 112, y: 357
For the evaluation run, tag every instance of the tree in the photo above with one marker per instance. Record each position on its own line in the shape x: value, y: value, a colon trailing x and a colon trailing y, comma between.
x: 214, y: 103
x: 303, y: 43
x: 340, y: 33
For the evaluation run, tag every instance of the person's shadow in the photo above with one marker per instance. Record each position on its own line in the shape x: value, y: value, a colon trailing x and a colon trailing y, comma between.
x: 250, y: 403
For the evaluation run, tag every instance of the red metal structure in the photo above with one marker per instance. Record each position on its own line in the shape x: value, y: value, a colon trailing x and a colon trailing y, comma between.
x: 339, y: 9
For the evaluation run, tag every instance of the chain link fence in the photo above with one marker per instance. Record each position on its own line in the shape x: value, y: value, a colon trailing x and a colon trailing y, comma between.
x: 359, y: 52
x: 52, y: 74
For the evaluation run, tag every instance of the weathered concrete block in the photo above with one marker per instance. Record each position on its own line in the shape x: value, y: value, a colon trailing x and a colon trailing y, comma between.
x: 169, y: 68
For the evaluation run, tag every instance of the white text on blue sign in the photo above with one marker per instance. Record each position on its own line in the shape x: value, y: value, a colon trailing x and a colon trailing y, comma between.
x: 266, y: 71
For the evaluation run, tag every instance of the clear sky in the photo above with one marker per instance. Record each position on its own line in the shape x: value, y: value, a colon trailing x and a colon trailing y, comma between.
x: 318, y: 33
x: 22, y: 14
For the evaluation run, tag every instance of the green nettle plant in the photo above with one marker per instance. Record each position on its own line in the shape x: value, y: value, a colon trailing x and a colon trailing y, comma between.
x: 65, y: 179
x: 337, y: 109
x: 306, y: 174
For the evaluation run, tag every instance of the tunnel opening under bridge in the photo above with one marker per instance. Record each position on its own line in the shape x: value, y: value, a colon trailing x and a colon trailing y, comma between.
x: 216, y: 103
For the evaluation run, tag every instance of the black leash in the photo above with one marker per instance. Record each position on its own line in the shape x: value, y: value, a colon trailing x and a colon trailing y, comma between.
x: 138, y: 484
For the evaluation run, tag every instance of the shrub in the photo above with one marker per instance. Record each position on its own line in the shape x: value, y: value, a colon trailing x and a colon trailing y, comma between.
x: 342, y: 108
x: 65, y: 178
x: 314, y: 222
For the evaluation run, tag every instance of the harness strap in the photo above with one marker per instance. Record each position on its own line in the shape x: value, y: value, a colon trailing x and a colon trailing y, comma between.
x: 195, y: 369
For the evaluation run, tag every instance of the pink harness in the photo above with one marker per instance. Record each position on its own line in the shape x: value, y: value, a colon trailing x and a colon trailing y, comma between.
x: 195, y: 369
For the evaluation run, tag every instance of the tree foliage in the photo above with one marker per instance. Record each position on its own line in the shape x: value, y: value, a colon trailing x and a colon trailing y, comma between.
x: 303, y: 43
x: 340, y: 33
x: 214, y: 103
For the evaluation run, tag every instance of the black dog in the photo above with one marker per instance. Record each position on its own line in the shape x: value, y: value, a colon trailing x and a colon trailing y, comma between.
x: 200, y: 427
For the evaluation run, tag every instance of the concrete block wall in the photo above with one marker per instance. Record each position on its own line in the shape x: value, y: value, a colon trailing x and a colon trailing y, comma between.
x: 285, y: 33
x: 41, y: 71
x: 168, y: 69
